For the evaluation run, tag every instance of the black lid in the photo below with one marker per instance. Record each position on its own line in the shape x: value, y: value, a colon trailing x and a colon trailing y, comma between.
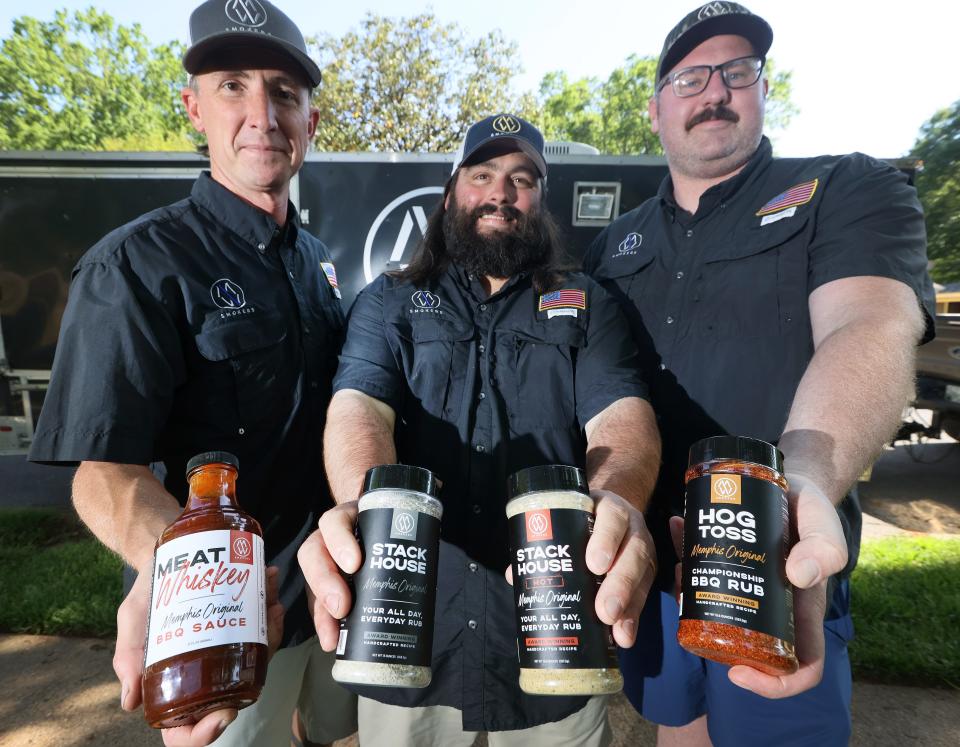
x: 400, y: 477
x: 546, y: 477
x: 212, y: 457
x: 740, y: 448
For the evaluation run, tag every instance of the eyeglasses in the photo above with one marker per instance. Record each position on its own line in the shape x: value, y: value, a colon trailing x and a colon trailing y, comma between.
x: 742, y: 72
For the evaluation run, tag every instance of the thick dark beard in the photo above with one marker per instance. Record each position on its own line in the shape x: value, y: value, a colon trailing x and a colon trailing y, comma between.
x: 500, y: 254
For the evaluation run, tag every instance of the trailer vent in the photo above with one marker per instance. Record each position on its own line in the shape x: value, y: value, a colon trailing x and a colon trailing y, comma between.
x: 569, y: 148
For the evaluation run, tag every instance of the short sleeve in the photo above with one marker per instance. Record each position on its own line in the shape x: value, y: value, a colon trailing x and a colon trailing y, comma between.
x: 608, y: 366
x: 117, y: 363
x: 367, y: 362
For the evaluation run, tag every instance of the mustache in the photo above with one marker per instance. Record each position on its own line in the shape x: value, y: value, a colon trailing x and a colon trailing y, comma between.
x: 715, y: 112
x: 507, y: 211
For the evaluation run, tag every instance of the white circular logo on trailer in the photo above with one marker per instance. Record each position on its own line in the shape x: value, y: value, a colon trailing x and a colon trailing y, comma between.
x: 405, y: 218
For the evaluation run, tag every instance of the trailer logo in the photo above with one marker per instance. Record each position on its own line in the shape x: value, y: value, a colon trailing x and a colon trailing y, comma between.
x: 425, y: 300
x: 506, y: 124
x: 227, y: 295
x: 629, y: 244
x: 392, y: 238
x: 246, y: 12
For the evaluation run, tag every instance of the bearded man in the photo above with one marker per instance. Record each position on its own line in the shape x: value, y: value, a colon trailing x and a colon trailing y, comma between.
x: 484, y: 356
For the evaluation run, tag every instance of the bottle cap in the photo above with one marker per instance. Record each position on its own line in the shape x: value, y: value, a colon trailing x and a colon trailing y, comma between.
x: 212, y: 457
x: 741, y: 448
x: 546, y: 477
x: 400, y: 477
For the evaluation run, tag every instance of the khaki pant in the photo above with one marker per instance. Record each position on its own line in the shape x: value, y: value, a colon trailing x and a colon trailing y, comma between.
x: 297, y: 677
x: 441, y: 726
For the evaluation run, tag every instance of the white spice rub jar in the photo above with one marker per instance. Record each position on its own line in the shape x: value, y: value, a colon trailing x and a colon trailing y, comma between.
x: 563, y: 647
x: 387, y: 638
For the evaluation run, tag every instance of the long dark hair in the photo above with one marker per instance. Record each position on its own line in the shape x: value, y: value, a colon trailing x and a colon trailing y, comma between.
x: 431, y: 258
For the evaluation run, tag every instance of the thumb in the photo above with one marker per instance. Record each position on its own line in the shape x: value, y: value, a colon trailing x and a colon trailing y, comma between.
x: 131, y: 633
x: 821, y: 548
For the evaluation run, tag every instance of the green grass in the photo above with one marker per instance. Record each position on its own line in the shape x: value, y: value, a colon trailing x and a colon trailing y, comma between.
x: 906, y: 611
x: 55, y: 579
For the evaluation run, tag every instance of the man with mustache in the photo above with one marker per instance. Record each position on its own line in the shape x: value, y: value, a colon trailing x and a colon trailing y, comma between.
x: 212, y: 324
x: 780, y: 299
x: 465, y: 364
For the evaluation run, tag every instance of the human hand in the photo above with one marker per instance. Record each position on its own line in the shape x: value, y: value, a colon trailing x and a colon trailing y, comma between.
x: 332, y: 548
x: 128, y: 659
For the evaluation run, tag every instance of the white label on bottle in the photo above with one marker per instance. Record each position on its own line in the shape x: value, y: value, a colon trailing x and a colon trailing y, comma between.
x: 208, y: 590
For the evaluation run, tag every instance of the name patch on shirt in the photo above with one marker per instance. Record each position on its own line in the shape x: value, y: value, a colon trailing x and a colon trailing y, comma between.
x: 331, y: 272
x: 799, y: 194
x: 567, y: 298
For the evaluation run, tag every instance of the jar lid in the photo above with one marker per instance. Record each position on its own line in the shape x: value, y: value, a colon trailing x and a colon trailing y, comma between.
x: 546, y: 477
x: 212, y: 457
x: 741, y: 448
x: 400, y: 477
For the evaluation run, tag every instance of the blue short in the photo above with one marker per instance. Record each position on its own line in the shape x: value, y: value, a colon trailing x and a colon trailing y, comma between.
x: 669, y: 686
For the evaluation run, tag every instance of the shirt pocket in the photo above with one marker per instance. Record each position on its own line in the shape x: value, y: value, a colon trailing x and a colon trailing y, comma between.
x: 544, y: 367
x: 755, y: 285
x: 251, y: 353
x: 435, y: 357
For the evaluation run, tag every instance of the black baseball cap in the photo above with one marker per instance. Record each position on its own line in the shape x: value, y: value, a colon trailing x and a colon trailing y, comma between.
x: 219, y: 24
x: 500, y: 129
x: 713, y: 19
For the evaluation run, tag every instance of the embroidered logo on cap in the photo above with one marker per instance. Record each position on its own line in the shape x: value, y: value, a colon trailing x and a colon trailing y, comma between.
x: 799, y: 194
x: 246, y: 12
x: 227, y: 294
x: 710, y: 10
x: 506, y: 124
x: 629, y: 245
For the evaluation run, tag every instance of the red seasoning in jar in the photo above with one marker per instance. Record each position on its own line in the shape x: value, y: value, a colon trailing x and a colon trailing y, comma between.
x: 736, y: 605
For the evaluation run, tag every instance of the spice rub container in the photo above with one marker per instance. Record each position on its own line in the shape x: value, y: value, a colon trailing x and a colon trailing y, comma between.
x: 563, y: 647
x: 736, y: 605
x: 387, y: 638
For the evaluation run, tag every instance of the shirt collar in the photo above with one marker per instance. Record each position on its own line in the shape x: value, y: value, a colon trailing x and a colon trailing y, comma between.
x: 248, y: 222
x: 472, y: 283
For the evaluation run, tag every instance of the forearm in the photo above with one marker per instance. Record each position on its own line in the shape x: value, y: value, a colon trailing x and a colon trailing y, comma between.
x: 623, y: 450
x: 125, y: 507
x: 358, y: 436
x: 849, y: 401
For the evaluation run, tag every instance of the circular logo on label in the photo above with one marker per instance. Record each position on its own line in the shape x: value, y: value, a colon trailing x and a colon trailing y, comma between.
x: 397, y: 230
x: 725, y: 487
x: 241, y: 547
x: 246, y: 12
x: 425, y: 300
x: 536, y: 524
x: 506, y: 124
x: 227, y: 294
x: 403, y: 523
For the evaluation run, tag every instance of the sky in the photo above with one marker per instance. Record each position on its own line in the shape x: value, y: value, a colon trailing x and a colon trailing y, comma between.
x: 866, y: 75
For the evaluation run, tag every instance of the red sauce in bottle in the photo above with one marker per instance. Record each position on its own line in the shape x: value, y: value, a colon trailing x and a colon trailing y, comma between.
x: 206, y: 636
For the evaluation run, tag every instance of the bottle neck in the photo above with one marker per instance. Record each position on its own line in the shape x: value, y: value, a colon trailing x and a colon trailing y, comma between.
x: 212, y: 485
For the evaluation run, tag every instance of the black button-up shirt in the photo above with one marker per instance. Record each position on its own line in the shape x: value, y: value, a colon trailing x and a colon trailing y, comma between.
x: 718, y: 300
x: 203, y: 326
x: 482, y: 387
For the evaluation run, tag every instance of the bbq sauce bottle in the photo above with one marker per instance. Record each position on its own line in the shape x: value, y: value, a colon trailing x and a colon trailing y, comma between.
x: 206, y: 644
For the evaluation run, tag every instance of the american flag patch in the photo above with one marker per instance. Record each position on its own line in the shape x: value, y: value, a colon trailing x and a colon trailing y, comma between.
x: 331, y: 272
x: 797, y: 195
x: 563, y: 299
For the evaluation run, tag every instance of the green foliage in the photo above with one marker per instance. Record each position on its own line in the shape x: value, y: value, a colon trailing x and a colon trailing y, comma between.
x: 82, y: 82
x: 938, y: 185
x: 54, y: 578
x: 905, y: 605
x: 410, y: 84
x: 612, y: 114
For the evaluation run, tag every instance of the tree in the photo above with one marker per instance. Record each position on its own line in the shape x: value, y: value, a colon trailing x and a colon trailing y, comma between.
x: 938, y: 185
x: 410, y: 84
x: 612, y: 114
x: 82, y: 82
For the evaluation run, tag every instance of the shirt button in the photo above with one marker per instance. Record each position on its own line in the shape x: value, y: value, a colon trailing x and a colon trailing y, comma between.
x: 306, y: 330
x: 482, y: 395
x: 291, y: 275
x: 482, y: 348
x: 669, y: 320
x: 313, y: 385
x: 663, y: 366
x: 472, y: 624
x: 241, y: 431
x: 680, y: 275
x: 472, y: 567
x: 483, y: 307
x: 689, y: 232
x: 480, y: 449
x: 262, y: 247
x: 476, y: 508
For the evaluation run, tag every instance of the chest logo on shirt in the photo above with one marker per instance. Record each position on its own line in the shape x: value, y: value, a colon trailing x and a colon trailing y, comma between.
x: 799, y: 194
x: 629, y: 245
x: 425, y: 302
x: 331, y: 272
x: 227, y: 294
